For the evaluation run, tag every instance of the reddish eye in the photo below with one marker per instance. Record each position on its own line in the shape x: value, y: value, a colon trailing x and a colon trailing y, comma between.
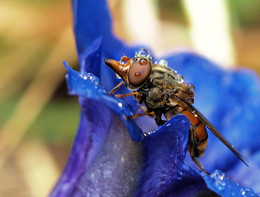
x: 139, y: 72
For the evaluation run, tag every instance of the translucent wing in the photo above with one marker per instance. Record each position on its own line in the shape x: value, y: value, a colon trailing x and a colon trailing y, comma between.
x: 202, y: 118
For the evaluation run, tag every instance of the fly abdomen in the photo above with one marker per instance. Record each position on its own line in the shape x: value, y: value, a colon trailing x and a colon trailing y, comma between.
x: 198, y: 135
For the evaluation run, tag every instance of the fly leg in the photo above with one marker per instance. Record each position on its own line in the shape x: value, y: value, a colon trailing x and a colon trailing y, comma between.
x: 139, y: 114
x: 192, y: 150
x: 137, y: 95
x: 116, y: 88
x: 141, y: 108
x: 151, y: 114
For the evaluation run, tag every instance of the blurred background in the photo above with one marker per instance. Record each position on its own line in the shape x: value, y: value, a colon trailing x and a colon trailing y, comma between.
x: 38, y: 120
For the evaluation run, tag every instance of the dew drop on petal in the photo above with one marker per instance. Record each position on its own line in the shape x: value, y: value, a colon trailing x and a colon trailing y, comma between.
x: 83, y: 75
x: 250, y: 192
x: 242, y: 191
x: 93, y: 78
x: 218, y: 180
x: 183, y: 122
x: 218, y: 175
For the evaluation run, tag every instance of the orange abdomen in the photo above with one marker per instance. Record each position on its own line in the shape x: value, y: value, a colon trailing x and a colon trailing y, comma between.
x: 198, y: 135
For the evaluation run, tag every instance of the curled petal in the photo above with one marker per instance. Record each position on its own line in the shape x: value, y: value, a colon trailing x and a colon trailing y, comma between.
x: 164, y: 172
x: 103, y: 154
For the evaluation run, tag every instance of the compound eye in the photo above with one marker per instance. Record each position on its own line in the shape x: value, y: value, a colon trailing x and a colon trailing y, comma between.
x: 139, y: 72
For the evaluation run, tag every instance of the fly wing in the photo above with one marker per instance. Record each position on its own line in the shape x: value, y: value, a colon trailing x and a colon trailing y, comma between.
x: 213, y: 129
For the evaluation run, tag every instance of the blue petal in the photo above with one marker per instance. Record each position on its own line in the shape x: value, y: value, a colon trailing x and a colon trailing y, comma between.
x: 87, y: 87
x: 102, y: 137
x: 222, y: 185
x: 164, y: 172
x: 91, y: 61
x: 115, y: 168
x: 228, y: 99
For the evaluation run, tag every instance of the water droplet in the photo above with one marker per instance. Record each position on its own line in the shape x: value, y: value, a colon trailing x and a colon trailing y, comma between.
x: 218, y: 175
x: 90, y: 75
x: 242, y: 192
x: 169, y: 124
x: 250, y: 192
x: 220, y: 184
x: 191, y: 87
x: 117, y: 76
x: 219, y: 180
x: 179, y: 79
x: 96, y: 81
x: 163, y: 62
x: 93, y: 78
x: 121, y: 62
x: 195, y: 113
x: 143, y: 52
x: 83, y: 75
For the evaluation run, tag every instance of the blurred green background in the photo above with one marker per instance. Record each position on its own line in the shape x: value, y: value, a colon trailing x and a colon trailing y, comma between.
x: 38, y: 120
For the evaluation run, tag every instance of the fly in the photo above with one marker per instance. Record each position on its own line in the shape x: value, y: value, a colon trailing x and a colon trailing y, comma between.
x: 163, y: 91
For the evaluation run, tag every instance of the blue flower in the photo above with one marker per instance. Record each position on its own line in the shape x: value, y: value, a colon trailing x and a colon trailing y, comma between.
x: 112, y: 157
